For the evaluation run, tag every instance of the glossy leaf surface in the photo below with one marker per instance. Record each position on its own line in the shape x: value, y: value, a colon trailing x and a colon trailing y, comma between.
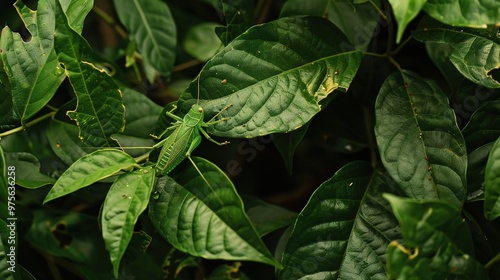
x: 418, y: 139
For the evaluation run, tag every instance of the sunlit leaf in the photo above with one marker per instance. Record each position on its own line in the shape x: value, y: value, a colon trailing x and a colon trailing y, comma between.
x: 294, y: 76
x: 127, y: 198
x: 90, y: 169
x: 418, y: 138
x: 404, y: 12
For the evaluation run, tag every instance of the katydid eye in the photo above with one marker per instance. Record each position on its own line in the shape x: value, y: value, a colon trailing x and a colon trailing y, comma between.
x: 200, y: 110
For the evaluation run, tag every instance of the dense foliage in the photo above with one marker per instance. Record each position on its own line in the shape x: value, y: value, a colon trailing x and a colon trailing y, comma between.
x: 364, y: 139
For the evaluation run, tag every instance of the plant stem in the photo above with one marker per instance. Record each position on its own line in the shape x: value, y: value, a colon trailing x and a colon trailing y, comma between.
x: 381, y: 13
x: 110, y: 20
x: 23, y: 127
x: 492, y: 261
x: 369, y: 134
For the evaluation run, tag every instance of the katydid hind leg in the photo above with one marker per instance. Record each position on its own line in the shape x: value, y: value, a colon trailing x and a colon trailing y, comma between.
x: 210, y: 138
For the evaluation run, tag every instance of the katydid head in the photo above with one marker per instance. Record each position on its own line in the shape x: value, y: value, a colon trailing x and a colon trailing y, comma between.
x: 194, y: 116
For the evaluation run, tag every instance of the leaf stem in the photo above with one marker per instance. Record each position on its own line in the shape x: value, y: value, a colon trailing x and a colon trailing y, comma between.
x: 25, y: 126
x: 369, y: 134
x: 493, y: 261
x: 110, y: 20
x: 381, y: 13
x: 406, y: 41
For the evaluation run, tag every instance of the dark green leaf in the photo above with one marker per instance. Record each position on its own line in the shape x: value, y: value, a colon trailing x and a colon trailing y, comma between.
x: 437, y: 240
x: 418, y: 138
x: 343, y: 230
x: 9, y: 269
x: 228, y: 272
x: 358, y: 22
x: 32, y: 67
x: 473, y: 13
x: 239, y: 16
x: 90, y: 169
x: 492, y: 183
x: 127, y: 198
x: 152, y: 27
x: 474, y: 52
x: 141, y: 113
x: 287, y: 143
x: 64, y: 141
x: 28, y: 170
x: 199, y: 219
x: 293, y: 77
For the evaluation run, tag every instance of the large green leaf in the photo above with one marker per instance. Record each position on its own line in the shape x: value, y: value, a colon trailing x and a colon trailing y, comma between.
x: 99, y: 112
x: 418, y: 138
x: 473, y: 13
x: 127, y: 198
x: 72, y: 236
x: 199, y: 219
x: 437, y: 242
x: 492, y: 183
x: 358, y: 22
x: 32, y: 67
x: 343, y: 230
x: 474, y: 52
x: 274, y: 76
x: 90, y: 169
x: 404, y: 12
x: 152, y: 27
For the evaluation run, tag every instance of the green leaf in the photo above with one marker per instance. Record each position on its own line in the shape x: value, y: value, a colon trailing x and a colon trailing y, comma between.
x: 437, y: 240
x: 76, y: 11
x: 358, y: 22
x: 4, y: 184
x: 8, y: 266
x: 287, y: 143
x: 73, y: 236
x: 474, y: 52
x: 492, y: 183
x: 473, y: 13
x: 198, y: 219
x: 239, y: 16
x: 404, y: 12
x: 28, y: 170
x: 152, y: 26
x: 127, y: 198
x: 63, y: 139
x: 32, y: 67
x: 141, y: 114
x: 419, y: 142
x: 267, y: 217
x: 90, y: 169
x: 343, y: 230
x: 201, y: 41
x: 278, y: 90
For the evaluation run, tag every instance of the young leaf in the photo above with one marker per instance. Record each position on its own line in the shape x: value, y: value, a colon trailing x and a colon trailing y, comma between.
x: 404, y: 12
x: 90, y: 169
x: 100, y: 111
x: 474, y: 52
x: 438, y: 242
x: 492, y: 183
x: 343, y: 230
x: 472, y: 13
x: 199, y: 219
x: 32, y: 66
x: 152, y: 26
x: 127, y: 198
x: 418, y: 138
x: 294, y: 76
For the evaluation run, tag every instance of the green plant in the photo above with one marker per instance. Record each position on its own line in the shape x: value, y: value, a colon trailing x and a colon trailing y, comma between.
x: 388, y: 110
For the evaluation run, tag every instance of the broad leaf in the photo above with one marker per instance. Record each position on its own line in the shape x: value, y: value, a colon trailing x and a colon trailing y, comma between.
x: 474, y: 52
x: 343, y: 230
x: 64, y: 141
x: 437, y: 242
x: 90, y: 169
x: 492, y: 183
x: 472, y: 13
x: 239, y: 16
x: 127, y: 198
x: 358, y: 22
x: 404, y: 12
x: 141, y: 114
x: 198, y: 219
x: 293, y: 77
x: 152, y: 27
x: 418, y: 139
x: 288, y: 142
x: 76, y: 11
x: 32, y: 67
x: 27, y: 172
